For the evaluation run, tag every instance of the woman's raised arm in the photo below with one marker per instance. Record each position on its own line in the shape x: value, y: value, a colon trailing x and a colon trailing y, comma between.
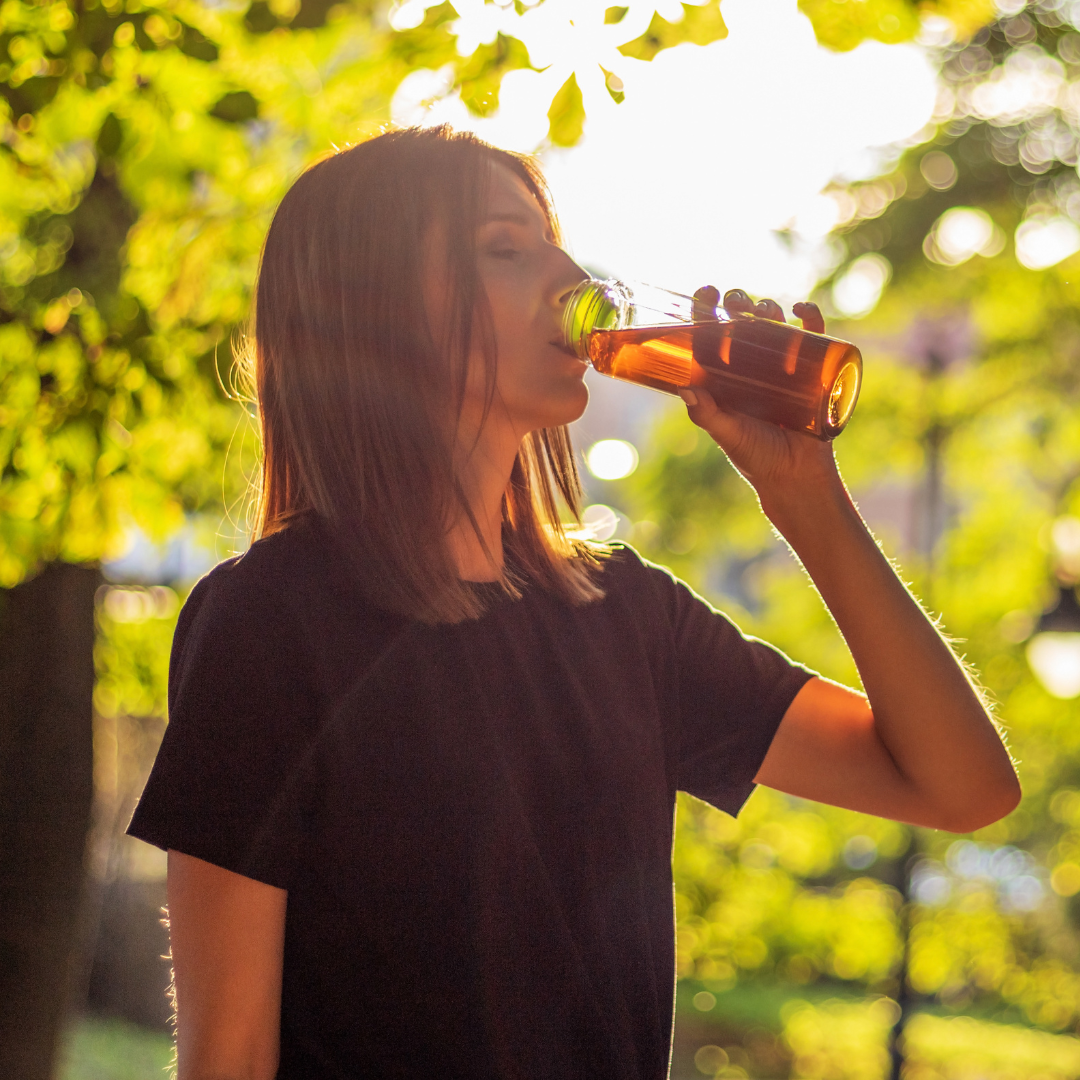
x: 227, y: 933
x: 923, y: 747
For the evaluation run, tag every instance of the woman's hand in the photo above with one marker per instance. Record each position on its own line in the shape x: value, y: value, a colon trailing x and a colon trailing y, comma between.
x: 770, y: 457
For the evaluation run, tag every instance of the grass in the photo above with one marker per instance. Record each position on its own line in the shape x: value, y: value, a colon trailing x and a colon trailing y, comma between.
x: 100, y: 1049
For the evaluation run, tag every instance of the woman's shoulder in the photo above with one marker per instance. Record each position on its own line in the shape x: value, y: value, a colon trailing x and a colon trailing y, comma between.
x: 241, y: 634
x: 259, y: 586
x: 628, y: 575
x: 654, y: 590
x: 626, y: 567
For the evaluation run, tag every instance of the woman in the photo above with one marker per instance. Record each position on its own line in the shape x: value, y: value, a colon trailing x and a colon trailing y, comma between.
x: 418, y: 783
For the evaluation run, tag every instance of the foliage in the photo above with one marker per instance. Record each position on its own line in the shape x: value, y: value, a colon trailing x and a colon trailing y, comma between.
x: 837, y: 1040
x: 1004, y: 409
x: 479, y: 77
x: 841, y: 27
x: 770, y: 893
x: 144, y: 147
x: 700, y: 25
x: 131, y: 658
x: 965, y: 1049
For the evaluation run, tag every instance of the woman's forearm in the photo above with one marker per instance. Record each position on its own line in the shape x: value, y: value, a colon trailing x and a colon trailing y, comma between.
x: 927, y: 711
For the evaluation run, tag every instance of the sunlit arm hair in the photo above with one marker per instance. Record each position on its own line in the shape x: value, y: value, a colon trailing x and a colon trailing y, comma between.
x: 358, y: 403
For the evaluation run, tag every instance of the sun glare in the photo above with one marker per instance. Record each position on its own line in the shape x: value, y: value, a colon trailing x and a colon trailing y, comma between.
x: 712, y: 168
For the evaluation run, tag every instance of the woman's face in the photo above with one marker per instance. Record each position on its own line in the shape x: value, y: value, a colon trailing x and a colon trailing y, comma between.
x: 527, y: 278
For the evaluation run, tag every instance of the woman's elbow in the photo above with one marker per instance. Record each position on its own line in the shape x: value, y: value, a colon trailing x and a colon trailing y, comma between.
x: 991, y: 804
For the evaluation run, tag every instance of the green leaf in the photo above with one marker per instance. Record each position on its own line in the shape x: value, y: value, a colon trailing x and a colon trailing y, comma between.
x: 843, y: 26
x: 193, y: 44
x: 236, y: 107
x: 480, y: 75
x: 429, y: 45
x: 614, y: 85
x: 701, y: 24
x: 615, y: 15
x: 566, y: 117
x: 110, y: 135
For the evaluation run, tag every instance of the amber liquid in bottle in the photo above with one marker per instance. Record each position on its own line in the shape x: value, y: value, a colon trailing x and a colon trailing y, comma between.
x: 769, y: 370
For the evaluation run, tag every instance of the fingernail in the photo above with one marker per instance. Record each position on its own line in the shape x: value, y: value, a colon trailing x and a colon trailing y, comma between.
x: 689, y: 397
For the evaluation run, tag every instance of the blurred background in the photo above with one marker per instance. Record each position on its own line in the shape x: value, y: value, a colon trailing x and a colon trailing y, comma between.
x: 912, y: 166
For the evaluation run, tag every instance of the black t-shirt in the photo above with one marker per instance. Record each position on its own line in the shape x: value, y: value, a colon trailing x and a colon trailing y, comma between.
x: 473, y: 821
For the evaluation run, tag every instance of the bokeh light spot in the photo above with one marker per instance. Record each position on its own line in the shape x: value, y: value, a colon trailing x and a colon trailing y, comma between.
x: 961, y: 233
x: 611, y: 459
x: 1042, y: 242
x: 938, y: 170
x: 710, y: 1060
x: 858, y: 290
x: 600, y: 521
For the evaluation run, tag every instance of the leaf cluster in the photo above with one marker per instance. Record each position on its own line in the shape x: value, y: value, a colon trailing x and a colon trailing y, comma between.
x: 842, y: 27
x: 142, y: 149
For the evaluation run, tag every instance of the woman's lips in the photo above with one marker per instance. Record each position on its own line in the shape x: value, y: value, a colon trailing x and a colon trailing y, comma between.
x: 563, y: 347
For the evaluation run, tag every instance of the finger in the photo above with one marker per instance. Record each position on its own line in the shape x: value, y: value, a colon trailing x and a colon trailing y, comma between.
x: 735, y: 300
x: 701, y: 407
x: 769, y: 309
x: 705, y: 301
x: 811, y: 316
x: 726, y: 428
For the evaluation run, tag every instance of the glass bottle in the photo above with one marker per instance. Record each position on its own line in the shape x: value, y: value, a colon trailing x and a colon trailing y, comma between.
x: 766, y: 369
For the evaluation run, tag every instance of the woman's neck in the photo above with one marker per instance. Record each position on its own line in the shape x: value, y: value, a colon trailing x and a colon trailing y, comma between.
x: 484, y: 473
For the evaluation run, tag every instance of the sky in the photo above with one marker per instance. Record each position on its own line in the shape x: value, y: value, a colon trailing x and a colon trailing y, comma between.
x: 714, y: 149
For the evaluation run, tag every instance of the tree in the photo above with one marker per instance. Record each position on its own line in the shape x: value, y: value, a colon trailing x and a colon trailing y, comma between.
x: 144, y: 147
x: 145, y: 143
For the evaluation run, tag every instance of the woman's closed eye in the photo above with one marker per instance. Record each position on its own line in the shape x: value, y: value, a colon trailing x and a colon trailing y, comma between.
x: 501, y: 242
x: 502, y: 245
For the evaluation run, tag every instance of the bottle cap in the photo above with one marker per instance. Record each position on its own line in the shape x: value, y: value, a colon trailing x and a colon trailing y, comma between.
x: 594, y: 305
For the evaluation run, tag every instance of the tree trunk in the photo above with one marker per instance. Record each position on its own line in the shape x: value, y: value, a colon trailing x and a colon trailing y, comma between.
x: 46, y: 790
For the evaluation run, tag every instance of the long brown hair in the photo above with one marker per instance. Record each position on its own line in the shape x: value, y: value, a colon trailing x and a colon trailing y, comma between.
x: 358, y: 402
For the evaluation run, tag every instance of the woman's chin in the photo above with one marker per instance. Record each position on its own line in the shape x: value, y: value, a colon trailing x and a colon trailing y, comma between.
x: 570, y: 406
x: 555, y: 407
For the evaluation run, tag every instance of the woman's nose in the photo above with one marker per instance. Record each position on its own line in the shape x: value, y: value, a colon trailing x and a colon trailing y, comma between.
x: 567, y: 279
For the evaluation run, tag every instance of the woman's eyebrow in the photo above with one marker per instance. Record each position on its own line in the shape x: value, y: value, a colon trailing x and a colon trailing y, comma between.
x: 517, y: 219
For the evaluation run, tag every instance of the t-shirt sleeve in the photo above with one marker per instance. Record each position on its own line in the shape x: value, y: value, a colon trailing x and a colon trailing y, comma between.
x: 225, y: 785
x: 732, y: 692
